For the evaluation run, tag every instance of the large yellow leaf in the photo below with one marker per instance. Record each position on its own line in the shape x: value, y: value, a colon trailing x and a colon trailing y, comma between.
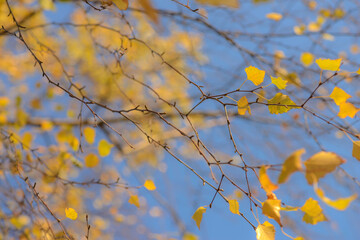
x: 320, y: 164
x: 279, y: 82
x: 91, y: 160
x: 280, y: 103
x: 356, y: 150
x: 243, y: 106
x: 271, y: 209
x: 339, y: 96
x: 306, y: 59
x: 255, y: 75
x: 291, y: 165
x: 234, y: 206
x: 313, y: 212
x: 121, y: 4
x: 71, y: 213
x: 329, y: 64
x: 150, y: 185
x: 265, y: 231
x: 347, y: 110
x: 89, y: 134
x: 198, y: 215
x: 227, y: 3
x: 265, y: 181
x: 339, y: 204
x: 104, y: 148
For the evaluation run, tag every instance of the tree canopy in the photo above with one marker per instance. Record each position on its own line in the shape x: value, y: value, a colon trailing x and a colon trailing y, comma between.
x: 179, y: 119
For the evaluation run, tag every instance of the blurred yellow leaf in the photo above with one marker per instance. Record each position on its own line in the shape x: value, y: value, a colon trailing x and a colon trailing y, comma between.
x: 313, y: 212
x: 27, y: 139
x: 121, y: 4
x: 356, y: 150
x: 255, y: 75
x: 291, y: 165
x: 271, y: 209
x: 134, y: 199
x: 339, y: 204
x: 104, y: 148
x: 347, y: 110
x: 279, y: 82
x: 198, y: 215
x: 149, y: 185
x: 299, y: 30
x: 46, y: 125
x: 228, y: 3
x: 274, y: 16
x: 329, y: 64
x: 280, y: 103
x: 265, y: 181
x: 307, y: 59
x: 149, y: 10
x: 4, y: 101
x: 89, y: 134
x: 265, y: 231
x: 71, y: 213
x: 243, y: 106
x: 299, y: 238
x: 289, y: 209
x: 234, y: 206
x: 47, y: 4
x: 339, y: 96
x: 91, y: 160
x: 189, y: 236
x: 320, y: 164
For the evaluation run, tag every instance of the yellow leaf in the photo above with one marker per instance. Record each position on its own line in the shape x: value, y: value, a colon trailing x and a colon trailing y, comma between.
x: 27, y: 139
x: 89, y: 134
x: 47, y: 4
x: 314, y: 27
x: 121, y: 4
x: 339, y: 96
x: 299, y: 30
x: 46, y: 125
x: 347, y: 110
x: 228, y: 3
x: 265, y: 231
x: 280, y: 103
x: 291, y: 165
x: 265, y: 181
x: 134, y: 199
x: 189, y: 236
x: 307, y: 59
x: 328, y: 64
x: 71, y: 213
x: 255, y: 75
x: 278, y: 82
x: 356, y: 150
x: 313, y: 212
x: 289, y: 208
x: 299, y: 238
x: 234, y: 206
x: 358, y: 71
x: 198, y: 215
x: 149, y: 10
x: 274, y: 16
x: 74, y: 143
x: 271, y: 209
x: 328, y: 37
x: 91, y: 160
x: 339, y: 204
x: 320, y: 164
x: 104, y: 148
x: 4, y: 101
x: 243, y: 106
x: 149, y: 185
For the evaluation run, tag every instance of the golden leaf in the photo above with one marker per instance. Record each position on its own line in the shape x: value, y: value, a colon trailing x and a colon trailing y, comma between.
x: 243, y: 106
x: 313, y: 212
x: 134, y: 199
x: 149, y: 185
x: 280, y: 103
x: 274, y: 16
x: 121, y: 4
x: 347, y: 110
x: 71, y: 213
x: 104, y: 148
x: 265, y: 181
x: 279, y: 82
x: 339, y: 96
x: 356, y: 150
x: 339, y: 204
x: 91, y: 160
x: 271, y: 209
x: 255, y: 75
x: 329, y: 64
x: 291, y: 165
x: 265, y: 231
x: 234, y: 206
x: 198, y: 215
x: 89, y: 134
x: 306, y: 59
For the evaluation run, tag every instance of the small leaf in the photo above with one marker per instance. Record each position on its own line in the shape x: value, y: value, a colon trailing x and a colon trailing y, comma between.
x: 46, y: 126
x: 149, y: 185
x: 320, y: 164
x: 289, y: 209
x: 279, y: 82
x: 243, y: 106
x: 307, y: 59
x: 339, y: 204
x: 134, y: 199
x: 356, y: 150
x: 234, y: 206
x: 265, y: 181
x: 299, y: 238
x: 347, y: 110
x: 274, y: 16
x: 227, y: 3
x: 339, y: 96
x: 265, y: 231
x: 291, y: 165
x: 255, y: 75
x: 91, y: 160
x: 4, y: 101
x: 121, y: 4
x: 328, y: 64
x: 280, y: 103
x: 198, y: 215
x: 71, y: 213
x: 104, y: 148
x: 89, y: 134
x: 271, y: 209
x: 313, y: 212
